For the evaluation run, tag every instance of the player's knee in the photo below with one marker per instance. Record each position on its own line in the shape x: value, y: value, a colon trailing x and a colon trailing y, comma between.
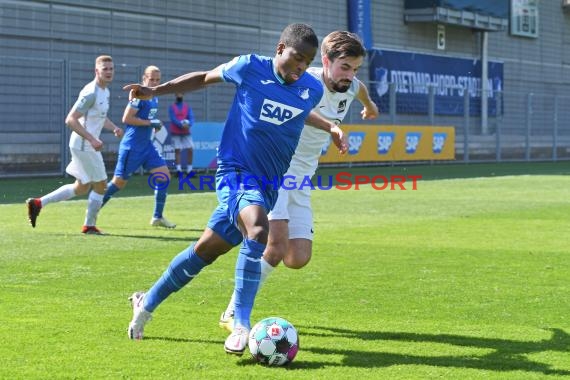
x: 81, y: 189
x: 297, y: 260
x: 275, y: 253
x: 258, y: 233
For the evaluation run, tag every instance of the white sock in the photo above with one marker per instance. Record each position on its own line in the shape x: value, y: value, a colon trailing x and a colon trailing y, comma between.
x: 94, y: 203
x: 62, y: 194
x: 266, y: 270
x: 178, y: 168
x: 188, y: 169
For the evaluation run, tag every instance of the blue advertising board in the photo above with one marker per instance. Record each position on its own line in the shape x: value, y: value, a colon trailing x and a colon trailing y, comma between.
x: 206, y: 137
x: 412, y: 74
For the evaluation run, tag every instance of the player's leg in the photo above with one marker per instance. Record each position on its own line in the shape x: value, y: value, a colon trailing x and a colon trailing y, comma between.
x: 95, y: 168
x: 127, y: 163
x: 94, y: 204
x: 218, y: 238
x: 301, y: 231
x: 177, y: 160
x: 190, y: 154
x: 75, y: 168
x: 299, y: 253
x: 161, y: 178
x: 274, y: 252
x: 160, y: 195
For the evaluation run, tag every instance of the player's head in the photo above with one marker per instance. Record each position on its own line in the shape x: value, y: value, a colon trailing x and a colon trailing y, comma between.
x: 104, y: 70
x: 342, y: 54
x: 179, y: 97
x: 296, y: 50
x: 151, y: 76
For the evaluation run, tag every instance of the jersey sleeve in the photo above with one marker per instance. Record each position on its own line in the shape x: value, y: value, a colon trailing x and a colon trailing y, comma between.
x: 135, y: 103
x: 84, y: 102
x: 235, y: 70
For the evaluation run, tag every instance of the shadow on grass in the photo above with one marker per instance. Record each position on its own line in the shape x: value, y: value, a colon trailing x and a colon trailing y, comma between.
x: 187, y: 239
x: 507, y: 355
x: 184, y: 340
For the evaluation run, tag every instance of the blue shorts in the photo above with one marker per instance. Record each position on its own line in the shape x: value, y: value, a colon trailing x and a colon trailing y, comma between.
x: 130, y: 160
x: 233, y: 196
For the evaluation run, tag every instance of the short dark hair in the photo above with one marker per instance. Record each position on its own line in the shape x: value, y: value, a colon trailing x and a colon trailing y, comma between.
x: 340, y: 44
x: 296, y: 34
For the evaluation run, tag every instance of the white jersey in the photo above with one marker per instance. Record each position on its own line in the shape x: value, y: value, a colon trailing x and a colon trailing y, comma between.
x: 93, y: 103
x: 334, y: 107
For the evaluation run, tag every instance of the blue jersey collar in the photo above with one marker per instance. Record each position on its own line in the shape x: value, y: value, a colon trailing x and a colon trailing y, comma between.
x: 276, y: 73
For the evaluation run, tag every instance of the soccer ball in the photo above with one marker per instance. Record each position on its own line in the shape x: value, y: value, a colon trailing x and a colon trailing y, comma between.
x: 273, y: 341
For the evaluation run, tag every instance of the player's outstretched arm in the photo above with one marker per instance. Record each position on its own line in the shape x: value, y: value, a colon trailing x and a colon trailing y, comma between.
x: 370, y: 110
x: 184, y: 83
x: 317, y: 121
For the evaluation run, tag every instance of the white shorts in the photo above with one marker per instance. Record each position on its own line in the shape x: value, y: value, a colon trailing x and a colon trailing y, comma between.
x: 87, y: 166
x: 295, y: 206
x: 182, y: 141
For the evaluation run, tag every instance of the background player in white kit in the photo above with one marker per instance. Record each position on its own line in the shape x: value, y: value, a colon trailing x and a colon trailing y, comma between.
x: 86, y: 119
x: 291, y: 219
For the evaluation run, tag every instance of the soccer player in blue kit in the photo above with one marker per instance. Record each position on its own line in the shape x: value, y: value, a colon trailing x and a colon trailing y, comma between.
x: 137, y: 149
x: 274, y: 98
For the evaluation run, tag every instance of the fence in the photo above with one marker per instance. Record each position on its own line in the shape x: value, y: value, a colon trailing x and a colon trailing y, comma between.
x: 37, y: 93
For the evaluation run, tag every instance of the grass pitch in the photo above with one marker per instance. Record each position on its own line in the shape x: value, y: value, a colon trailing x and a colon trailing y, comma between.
x: 466, y: 277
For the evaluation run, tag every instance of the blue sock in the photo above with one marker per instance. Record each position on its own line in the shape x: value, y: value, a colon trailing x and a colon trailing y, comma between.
x: 159, y: 202
x: 248, y: 270
x: 111, y: 189
x: 182, y: 269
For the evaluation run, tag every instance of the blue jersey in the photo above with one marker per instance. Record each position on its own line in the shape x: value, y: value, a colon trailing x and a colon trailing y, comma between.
x: 266, y: 118
x: 138, y: 137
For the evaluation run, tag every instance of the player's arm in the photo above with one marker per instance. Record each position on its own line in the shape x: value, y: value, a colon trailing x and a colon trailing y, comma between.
x: 72, y: 121
x: 109, y: 125
x: 370, y: 110
x: 130, y: 117
x: 317, y: 121
x: 184, y: 83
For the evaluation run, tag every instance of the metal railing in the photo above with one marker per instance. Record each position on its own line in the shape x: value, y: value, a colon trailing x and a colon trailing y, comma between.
x: 37, y: 93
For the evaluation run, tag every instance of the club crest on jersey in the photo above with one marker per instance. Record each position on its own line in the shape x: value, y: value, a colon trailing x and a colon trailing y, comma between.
x: 277, y: 113
x: 341, y: 106
x: 304, y: 93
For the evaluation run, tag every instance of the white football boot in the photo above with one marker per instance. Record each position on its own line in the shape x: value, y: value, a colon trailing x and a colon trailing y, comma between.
x: 237, y: 341
x: 140, y: 316
x: 162, y: 222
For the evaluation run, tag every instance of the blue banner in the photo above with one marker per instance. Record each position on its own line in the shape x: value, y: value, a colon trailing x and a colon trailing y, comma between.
x: 206, y: 137
x: 412, y: 74
x: 359, y: 21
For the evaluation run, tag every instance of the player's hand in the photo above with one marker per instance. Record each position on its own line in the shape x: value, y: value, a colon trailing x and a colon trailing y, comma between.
x: 96, y: 144
x: 136, y: 91
x: 156, y: 124
x: 370, y: 112
x: 339, y: 139
x: 118, y: 132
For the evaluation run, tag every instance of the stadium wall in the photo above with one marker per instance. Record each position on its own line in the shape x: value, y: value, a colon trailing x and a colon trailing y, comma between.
x: 47, y: 49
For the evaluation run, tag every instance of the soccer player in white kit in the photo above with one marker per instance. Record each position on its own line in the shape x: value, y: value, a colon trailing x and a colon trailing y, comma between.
x: 291, y: 219
x: 86, y: 119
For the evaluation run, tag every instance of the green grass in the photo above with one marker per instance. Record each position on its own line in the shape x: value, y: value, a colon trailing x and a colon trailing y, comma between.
x: 462, y: 278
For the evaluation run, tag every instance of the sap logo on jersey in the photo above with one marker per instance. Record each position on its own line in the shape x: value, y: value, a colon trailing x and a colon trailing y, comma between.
x: 355, y: 140
x: 277, y: 113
